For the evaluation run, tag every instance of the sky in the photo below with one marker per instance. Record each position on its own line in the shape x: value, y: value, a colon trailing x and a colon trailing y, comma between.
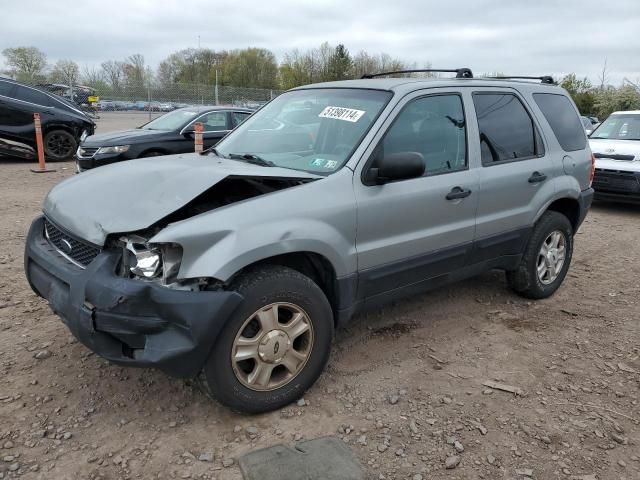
x: 513, y: 37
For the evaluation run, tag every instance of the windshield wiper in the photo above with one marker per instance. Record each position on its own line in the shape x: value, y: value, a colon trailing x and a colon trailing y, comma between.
x: 251, y: 158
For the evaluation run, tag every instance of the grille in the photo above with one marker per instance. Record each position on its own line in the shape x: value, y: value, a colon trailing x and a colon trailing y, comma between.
x: 87, y: 152
x: 78, y: 251
x: 607, y: 180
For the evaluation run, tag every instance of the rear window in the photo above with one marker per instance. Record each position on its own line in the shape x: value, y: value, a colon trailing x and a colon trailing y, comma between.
x: 563, y: 119
x: 507, y: 132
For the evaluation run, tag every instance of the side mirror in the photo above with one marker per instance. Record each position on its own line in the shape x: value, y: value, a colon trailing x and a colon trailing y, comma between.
x: 396, y: 166
x: 188, y: 132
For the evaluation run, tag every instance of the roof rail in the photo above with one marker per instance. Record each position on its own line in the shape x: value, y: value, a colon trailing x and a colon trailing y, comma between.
x: 543, y: 79
x: 460, y: 72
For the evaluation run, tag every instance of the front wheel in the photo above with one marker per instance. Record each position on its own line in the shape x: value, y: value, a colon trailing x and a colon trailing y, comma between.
x: 546, y: 258
x: 59, y: 145
x: 275, y: 346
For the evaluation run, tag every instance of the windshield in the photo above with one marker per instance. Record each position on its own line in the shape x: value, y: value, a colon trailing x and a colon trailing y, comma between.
x: 314, y: 130
x: 619, y: 127
x: 172, y: 121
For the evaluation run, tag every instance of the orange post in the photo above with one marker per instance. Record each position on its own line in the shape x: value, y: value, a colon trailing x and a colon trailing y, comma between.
x: 198, y: 129
x: 39, y: 146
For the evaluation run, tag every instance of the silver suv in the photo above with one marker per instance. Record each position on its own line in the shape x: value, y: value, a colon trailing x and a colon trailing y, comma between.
x: 236, y: 266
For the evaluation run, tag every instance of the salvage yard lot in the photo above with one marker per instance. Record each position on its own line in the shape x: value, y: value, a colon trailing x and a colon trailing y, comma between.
x: 402, y: 383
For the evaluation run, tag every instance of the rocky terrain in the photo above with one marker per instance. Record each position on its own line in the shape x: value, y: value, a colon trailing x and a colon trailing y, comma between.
x: 466, y: 382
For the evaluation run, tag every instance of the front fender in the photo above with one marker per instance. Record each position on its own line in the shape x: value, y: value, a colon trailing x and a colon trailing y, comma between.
x: 319, y: 217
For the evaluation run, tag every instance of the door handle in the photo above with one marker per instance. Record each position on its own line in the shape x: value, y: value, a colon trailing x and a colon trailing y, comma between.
x: 457, y: 193
x: 537, y: 177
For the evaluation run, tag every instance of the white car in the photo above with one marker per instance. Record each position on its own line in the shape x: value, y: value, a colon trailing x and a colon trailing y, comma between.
x: 616, y: 145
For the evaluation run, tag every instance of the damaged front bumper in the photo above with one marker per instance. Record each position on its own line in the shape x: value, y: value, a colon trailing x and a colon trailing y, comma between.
x: 127, y: 321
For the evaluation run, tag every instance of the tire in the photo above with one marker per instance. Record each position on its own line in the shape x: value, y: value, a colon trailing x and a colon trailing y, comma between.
x: 526, y: 279
x: 59, y: 145
x: 292, y: 293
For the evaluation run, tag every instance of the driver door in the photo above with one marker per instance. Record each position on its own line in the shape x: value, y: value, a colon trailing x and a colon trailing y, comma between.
x: 411, y: 231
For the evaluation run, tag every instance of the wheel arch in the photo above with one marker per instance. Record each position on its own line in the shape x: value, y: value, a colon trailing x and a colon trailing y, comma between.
x: 311, y: 264
x: 149, y: 150
x: 569, y: 207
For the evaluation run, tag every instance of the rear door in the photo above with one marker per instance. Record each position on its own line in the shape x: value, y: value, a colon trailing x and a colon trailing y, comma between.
x: 413, y: 230
x: 516, y: 173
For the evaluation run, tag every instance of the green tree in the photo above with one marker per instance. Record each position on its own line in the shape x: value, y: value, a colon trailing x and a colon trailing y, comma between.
x: 581, y: 91
x: 251, y: 67
x: 26, y: 64
x: 65, y: 71
x: 340, y: 64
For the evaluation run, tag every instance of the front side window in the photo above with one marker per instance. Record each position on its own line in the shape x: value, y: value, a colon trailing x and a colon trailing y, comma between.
x: 619, y: 127
x: 563, y: 120
x: 172, y: 121
x: 507, y: 131
x: 214, y: 121
x: 433, y: 126
x: 314, y: 130
x: 239, y: 117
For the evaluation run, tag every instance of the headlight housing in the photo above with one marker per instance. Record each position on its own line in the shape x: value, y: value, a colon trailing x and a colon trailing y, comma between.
x: 116, y: 149
x: 151, y: 261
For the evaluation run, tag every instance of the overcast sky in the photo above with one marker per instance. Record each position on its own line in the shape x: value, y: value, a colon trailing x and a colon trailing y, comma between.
x: 510, y: 36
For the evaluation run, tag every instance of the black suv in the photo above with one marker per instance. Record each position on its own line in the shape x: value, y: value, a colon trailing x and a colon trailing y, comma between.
x: 63, y: 124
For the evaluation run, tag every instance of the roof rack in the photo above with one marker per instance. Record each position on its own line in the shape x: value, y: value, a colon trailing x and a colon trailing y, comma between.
x: 543, y: 79
x: 460, y: 72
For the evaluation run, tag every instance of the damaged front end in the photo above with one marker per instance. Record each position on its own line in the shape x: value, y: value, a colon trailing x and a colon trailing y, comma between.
x: 93, y: 257
x: 125, y: 319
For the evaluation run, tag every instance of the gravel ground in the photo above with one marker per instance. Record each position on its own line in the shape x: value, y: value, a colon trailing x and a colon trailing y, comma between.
x: 404, y: 387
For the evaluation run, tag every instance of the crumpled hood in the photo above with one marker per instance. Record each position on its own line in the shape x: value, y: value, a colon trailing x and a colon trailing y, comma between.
x: 133, y: 195
x: 122, y: 137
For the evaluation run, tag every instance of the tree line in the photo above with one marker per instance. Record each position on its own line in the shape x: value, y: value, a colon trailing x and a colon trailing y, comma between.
x: 259, y: 68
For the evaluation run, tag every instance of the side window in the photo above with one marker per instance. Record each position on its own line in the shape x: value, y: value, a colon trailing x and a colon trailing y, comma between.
x: 239, y: 117
x: 6, y: 88
x: 33, y: 96
x: 563, y: 120
x: 214, y: 121
x: 507, y: 131
x: 433, y: 126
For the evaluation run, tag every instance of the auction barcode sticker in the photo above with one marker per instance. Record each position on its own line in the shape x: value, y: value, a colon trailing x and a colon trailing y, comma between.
x: 340, y: 113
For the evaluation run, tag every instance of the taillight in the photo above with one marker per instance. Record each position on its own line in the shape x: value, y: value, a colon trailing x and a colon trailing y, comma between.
x: 593, y: 169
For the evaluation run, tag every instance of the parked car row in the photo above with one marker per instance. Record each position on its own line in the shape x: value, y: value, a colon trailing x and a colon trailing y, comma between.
x: 119, y: 105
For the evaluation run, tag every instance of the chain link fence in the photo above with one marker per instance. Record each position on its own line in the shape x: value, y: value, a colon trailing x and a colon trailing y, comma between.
x: 160, y: 98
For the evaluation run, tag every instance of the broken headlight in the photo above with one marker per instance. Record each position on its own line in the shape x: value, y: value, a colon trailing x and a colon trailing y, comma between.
x: 151, y: 260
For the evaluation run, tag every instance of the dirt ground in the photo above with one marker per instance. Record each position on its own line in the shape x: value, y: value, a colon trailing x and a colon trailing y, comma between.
x: 404, y: 387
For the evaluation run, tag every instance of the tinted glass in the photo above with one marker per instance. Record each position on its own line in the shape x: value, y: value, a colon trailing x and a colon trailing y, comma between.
x: 619, y: 127
x: 563, y: 119
x: 172, y: 121
x: 315, y: 129
x: 506, y: 129
x: 434, y: 127
x: 214, y: 121
x: 5, y: 88
x: 33, y: 96
x: 239, y: 117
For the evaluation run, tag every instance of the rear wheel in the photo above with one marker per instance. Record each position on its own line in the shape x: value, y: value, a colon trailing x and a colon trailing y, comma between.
x: 59, y: 145
x: 546, y: 258
x: 275, y: 346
